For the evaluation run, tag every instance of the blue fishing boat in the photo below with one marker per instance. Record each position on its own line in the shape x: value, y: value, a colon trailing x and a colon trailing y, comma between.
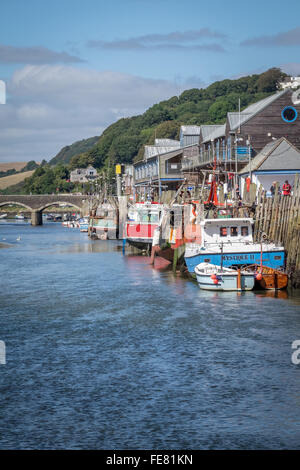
x: 229, y: 242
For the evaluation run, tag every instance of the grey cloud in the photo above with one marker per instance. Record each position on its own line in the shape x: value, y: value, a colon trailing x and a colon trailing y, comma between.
x: 175, y: 40
x: 292, y: 68
x: 34, y: 55
x: 287, y: 38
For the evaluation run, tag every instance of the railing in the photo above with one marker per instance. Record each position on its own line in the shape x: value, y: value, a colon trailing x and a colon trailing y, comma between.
x: 239, y: 154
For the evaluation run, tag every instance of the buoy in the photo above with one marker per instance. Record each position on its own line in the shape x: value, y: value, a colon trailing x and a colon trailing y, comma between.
x: 213, y: 276
x: 216, y: 281
x: 259, y: 276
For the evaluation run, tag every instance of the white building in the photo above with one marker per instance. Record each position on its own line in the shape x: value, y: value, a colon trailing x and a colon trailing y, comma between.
x: 83, y: 175
x: 290, y: 82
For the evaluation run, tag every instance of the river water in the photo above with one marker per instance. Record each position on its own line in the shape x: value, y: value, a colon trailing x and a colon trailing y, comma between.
x: 104, y: 352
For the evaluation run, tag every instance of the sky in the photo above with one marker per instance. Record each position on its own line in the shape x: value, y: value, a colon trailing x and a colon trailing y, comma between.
x: 72, y: 68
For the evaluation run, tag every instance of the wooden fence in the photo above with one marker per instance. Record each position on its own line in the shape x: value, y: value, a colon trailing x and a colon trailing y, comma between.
x: 278, y: 219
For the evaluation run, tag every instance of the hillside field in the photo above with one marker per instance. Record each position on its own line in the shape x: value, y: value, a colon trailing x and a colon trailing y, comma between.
x: 7, y: 181
x: 12, y: 165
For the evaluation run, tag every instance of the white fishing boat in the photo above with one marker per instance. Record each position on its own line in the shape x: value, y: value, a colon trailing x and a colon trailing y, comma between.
x: 20, y: 217
x: 3, y: 216
x: 212, y: 277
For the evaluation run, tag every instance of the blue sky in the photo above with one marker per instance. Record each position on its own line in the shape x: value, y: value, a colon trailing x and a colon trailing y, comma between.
x: 72, y: 67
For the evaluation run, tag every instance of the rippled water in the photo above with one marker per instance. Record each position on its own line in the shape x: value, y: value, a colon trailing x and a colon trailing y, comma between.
x: 104, y: 352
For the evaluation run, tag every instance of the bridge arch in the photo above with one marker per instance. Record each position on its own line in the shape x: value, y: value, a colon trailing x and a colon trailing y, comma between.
x: 57, y: 203
x: 15, y: 203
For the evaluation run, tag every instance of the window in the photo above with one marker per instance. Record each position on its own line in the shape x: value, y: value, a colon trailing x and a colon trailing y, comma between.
x: 244, y: 231
x: 289, y: 114
x: 223, y: 231
x: 233, y: 231
x: 172, y: 219
x: 206, y: 260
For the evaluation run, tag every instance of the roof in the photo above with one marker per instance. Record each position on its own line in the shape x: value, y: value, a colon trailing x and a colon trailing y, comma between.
x: 153, y: 150
x: 235, y: 119
x: 190, y: 130
x: 275, y: 156
x: 167, y: 143
x: 213, y: 131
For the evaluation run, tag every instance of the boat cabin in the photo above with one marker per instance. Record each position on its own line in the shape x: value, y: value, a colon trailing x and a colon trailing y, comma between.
x: 233, y: 230
x: 143, y: 218
x: 145, y: 213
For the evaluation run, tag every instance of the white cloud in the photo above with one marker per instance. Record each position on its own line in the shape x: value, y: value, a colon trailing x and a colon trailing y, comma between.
x: 50, y: 106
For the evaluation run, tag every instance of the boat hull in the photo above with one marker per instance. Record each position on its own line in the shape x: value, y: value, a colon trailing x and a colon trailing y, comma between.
x: 268, y: 278
x: 226, y: 282
x: 273, y: 259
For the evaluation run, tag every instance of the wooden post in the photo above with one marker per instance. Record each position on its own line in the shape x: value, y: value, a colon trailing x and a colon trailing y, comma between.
x: 239, y: 285
x: 175, y: 259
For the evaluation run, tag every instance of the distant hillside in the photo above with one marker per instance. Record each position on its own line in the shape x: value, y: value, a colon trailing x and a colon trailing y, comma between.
x: 66, y: 153
x: 123, y: 141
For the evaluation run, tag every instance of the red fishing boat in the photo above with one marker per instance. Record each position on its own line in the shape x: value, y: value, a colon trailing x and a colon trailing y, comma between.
x: 142, y: 220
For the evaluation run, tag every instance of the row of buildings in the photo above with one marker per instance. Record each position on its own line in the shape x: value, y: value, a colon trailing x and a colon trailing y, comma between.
x: 261, y: 141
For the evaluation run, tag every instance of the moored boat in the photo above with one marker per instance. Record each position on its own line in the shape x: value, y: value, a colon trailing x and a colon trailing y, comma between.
x: 143, y: 219
x: 268, y: 278
x: 104, y: 224
x: 211, y: 277
x: 83, y: 224
x: 229, y: 242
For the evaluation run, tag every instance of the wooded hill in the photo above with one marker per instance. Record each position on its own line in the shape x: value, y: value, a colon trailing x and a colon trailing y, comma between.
x: 123, y: 141
x: 79, y: 147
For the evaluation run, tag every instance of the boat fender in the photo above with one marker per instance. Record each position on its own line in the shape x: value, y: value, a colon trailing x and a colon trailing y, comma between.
x: 213, y: 276
x: 258, y: 276
x: 215, y: 281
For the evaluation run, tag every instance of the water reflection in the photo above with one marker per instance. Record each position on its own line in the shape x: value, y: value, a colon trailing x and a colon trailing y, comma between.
x: 90, y: 246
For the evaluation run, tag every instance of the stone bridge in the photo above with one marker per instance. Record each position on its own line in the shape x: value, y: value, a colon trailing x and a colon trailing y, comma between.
x: 37, y: 203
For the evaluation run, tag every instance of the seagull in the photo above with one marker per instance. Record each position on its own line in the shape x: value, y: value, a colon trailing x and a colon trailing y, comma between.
x: 19, y: 238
